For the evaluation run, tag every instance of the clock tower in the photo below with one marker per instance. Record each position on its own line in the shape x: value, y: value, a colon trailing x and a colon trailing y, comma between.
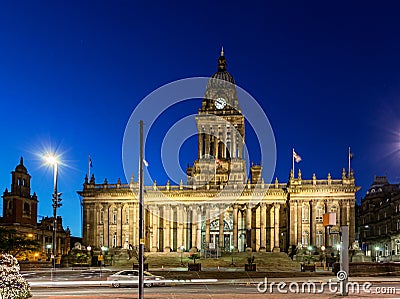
x: 220, y: 126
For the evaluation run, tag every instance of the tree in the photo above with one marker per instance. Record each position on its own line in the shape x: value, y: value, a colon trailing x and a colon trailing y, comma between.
x: 16, y: 244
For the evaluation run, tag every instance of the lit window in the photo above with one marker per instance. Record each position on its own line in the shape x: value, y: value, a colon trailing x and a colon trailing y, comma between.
x: 304, y: 240
x: 320, y: 212
x: 114, y: 217
x: 319, y: 239
x: 101, y: 217
x: 305, y: 213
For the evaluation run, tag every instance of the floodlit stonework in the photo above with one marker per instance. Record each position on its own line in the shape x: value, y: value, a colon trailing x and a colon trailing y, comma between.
x: 220, y: 208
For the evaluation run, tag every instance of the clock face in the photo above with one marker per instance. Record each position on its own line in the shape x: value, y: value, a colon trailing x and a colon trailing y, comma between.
x: 220, y: 103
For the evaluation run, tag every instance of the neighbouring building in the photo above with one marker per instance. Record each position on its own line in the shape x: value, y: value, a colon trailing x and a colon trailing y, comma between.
x: 20, y: 212
x: 378, y: 220
x: 220, y: 208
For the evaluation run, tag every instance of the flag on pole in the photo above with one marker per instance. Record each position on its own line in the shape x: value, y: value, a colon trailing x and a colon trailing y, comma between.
x: 90, y: 165
x: 296, y: 157
x: 145, y: 163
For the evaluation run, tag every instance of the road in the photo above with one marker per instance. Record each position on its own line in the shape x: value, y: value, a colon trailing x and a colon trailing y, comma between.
x: 187, y: 292
x: 84, y: 285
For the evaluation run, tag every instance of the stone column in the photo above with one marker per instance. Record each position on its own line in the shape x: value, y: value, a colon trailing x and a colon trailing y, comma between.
x: 185, y: 227
x: 207, y: 225
x: 352, y: 227
x: 233, y: 136
x: 299, y: 222
x: 106, y: 236
x: 200, y: 149
x: 199, y: 224
x: 207, y: 141
x: 179, y: 231
x: 221, y: 228
x: 313, y: 226
x: 263, y: 227
x: 167, y: 228
x: 272, y: 227
x: 154, y: 242
x: 276, y: 227
x: 194, y: 229
x: 295, y: 225
x: 248, y: 228
x: 235, y: 228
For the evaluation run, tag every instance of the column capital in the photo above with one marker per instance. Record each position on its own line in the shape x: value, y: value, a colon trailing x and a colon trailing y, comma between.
x: 277, y: 205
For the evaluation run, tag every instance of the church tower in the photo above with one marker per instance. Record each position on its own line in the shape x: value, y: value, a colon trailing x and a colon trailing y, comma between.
x: 221, y: 132
x: 19, y: 206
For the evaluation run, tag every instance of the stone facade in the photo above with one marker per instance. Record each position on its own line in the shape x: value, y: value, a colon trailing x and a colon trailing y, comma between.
x: 379, y: 220
x: 20, y: 213
x: 219, y: 208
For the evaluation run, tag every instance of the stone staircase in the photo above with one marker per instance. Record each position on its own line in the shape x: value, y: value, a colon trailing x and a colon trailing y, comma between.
x: 266, y: 261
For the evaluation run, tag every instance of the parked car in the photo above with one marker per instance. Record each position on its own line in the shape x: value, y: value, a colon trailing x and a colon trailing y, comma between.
x: 131, y: 277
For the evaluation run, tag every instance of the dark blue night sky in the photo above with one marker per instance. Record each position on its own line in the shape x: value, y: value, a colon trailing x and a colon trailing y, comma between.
x: 71, y: 72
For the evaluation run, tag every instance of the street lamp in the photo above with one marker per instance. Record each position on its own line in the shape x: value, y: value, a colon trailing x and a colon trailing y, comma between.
x: 232, y: 247
x: 323, y: 255
x: 52, y: 160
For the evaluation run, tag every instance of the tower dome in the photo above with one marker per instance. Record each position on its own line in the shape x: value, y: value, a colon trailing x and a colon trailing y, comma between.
x: 222, y: 73
x: 21, y: 167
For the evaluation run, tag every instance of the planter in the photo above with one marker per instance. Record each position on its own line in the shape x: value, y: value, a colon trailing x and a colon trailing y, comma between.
x: 136, y: 267
x: 194, y: 267
x: 308, y: 267
x: 250, y: 267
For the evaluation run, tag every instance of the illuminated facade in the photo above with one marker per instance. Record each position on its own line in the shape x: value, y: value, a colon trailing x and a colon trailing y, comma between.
x: 20, y: 214
x: 379, y: 220
x: 220, y: 208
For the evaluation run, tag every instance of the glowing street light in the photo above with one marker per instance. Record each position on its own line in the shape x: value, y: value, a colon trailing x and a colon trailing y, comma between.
x: 51, y: 159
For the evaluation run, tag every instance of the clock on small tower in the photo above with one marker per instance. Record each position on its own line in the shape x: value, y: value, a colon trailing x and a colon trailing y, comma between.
x: 220, y: 103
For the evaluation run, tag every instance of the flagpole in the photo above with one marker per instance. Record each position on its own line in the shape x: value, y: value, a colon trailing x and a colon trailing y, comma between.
x: 293, y: 161
x: 349, y: 162
x: 89, y: 166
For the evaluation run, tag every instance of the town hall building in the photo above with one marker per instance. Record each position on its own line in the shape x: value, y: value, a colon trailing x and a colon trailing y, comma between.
x: 220, y: 207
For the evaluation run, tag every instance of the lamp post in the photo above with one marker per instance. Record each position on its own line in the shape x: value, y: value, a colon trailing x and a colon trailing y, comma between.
x: 323, y: 256
x: 52, y: 160
x: 232, y: 247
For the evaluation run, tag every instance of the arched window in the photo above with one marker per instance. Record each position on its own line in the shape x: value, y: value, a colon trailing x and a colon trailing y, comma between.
x: 27, y: 208
x: 319, y: 241
x: 9, y: 204
x: 335, y: 240
x: 114, y: 216
x: 101, y: 216
x: 319, y: 213
x: 304, y: 238
x: 305, y: 213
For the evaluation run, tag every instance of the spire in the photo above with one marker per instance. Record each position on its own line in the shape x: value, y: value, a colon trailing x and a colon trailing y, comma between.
x: 21, y: 161
x: 222, y: 61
